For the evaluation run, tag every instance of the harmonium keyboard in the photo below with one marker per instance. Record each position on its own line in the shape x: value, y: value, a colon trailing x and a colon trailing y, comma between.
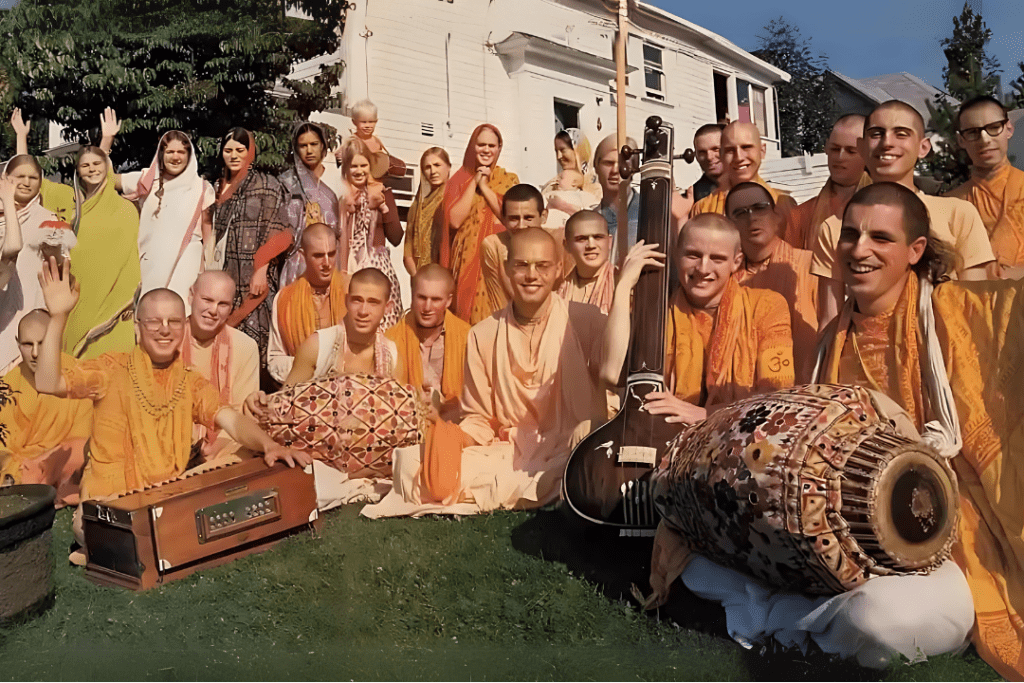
x: 150, y: 537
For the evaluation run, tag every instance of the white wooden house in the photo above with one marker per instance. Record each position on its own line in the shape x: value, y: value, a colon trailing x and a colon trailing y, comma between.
x: 437, y: 68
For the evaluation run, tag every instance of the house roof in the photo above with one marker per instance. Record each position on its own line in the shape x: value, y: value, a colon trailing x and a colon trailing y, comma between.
x: 703, y: 36
x: 876, y: 95
x: 907, y: 88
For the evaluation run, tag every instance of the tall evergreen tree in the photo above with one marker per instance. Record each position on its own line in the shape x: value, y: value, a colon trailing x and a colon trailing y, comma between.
x: 201, y: 66
x: 806, y: 104
x: 969, y: 72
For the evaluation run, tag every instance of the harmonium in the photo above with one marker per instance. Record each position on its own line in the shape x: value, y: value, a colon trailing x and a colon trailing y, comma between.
x: 151, y: 537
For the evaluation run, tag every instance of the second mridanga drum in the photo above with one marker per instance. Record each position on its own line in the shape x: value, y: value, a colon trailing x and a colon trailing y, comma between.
x: 809, y: 489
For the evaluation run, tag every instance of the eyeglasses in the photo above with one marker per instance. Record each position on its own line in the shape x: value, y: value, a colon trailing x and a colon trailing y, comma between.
x: 543, y: 267
x: 759, y: 209
x: 156, y: 324
x: 993, y: 129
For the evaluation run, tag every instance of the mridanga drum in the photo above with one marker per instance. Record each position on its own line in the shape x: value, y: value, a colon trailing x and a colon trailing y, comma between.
x: 809, y: 489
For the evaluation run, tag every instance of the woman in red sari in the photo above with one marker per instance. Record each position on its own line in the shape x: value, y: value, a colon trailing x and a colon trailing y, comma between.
x: 472, y: 211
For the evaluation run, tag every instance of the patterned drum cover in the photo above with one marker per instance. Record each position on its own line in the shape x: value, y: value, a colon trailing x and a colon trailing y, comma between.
x: 351, y: 422
x: 784, y: 487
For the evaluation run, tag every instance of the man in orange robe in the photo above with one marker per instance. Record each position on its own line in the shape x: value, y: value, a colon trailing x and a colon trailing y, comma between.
x: 723, y: 341
x: 996, y: 188
x: 431, y: 340
x: 145, y: 402
x: 592, y: 278
x: 771, y: 263
x: 314, y: 301
x: 522, y: 207
x: 742, y: 154
x: 46, y: 435
x: 530, y: 381
x: 846, y: 175
x: 891, y: 145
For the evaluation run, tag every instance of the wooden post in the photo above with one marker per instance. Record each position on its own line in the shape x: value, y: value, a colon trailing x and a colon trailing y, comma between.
x: 622, y: 231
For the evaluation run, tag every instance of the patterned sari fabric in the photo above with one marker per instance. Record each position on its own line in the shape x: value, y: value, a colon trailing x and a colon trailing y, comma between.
x: 351, y: 422
x: 250, y: 224
x: 422, y: 237
x: 367, y: 249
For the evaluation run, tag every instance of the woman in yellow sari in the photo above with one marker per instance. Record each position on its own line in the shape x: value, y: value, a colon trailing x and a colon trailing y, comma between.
x: 421, y: 232
x: 472, y: 207
x: 105, y: 261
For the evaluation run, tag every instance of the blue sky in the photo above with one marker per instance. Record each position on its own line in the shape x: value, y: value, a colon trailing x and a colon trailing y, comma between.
x: 867, y: 37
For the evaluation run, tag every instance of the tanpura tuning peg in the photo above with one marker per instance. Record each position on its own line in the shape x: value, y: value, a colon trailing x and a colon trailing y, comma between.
x: 688, y: 156
x: 628, y: 161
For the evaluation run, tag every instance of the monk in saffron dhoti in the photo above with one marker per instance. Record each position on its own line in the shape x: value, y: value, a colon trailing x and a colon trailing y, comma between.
x: 523, y: 207
x: 742, y: 154
x: 846, y: 175
x: 723, y: 341
x: 531, y: 380
x: 592, y: 278
x: 888, y: 262
x: 431, y: 340
x: 46, y: 435
x: 771, y: 263
x: 892, y: 142
x: 996, y: 188
x: 145, y: 401
x: 314, y: 301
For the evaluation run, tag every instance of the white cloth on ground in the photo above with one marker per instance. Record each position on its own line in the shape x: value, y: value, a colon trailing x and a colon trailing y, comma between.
x: 334, y: 488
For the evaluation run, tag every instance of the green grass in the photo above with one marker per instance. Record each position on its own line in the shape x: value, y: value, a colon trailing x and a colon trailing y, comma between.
x: 506, y: 596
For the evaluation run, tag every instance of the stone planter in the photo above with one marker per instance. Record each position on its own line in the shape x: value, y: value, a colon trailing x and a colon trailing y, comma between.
x: 26, y: 563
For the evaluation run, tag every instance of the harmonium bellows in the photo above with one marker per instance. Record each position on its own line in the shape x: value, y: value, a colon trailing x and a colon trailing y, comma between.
x: 150, y: 537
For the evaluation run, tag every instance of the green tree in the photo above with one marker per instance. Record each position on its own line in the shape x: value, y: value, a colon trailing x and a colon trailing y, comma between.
x: 806, y: 104
x: 1015, y: 100
x: 969, y: 72
x: 201, y: 66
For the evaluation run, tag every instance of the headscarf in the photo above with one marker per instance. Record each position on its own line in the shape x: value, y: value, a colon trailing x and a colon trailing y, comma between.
x: 581, y: 149
x: 458, y: 183
x: 421, y: 234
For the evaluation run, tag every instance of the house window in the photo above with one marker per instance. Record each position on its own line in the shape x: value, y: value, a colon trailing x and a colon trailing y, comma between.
x: 721, y: 98
x: 751, y: 103
x: 654, y: 72
x: 567, y: 115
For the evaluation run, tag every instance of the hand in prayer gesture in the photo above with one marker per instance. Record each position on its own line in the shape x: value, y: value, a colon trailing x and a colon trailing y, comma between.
x: 59, y: 295
x: 674, y: 409
x: 640, y: 256
x: 21, y: 127
x: 483, y: 177
x: 109, y: 124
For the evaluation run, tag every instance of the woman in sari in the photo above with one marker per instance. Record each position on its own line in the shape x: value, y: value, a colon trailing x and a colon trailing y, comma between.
x: 105, y: 261
x: 369, y: 216
x: 422, y: 244
x: 309, y: 198
x: 251, y: 238
x: 174, y: 221
x: 472, y: 211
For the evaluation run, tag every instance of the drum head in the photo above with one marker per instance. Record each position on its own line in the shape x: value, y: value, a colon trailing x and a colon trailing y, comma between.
x: 915, y: 509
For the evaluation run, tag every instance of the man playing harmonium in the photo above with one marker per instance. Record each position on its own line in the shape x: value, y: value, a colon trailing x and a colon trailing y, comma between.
x: 530, y: 382
x: 723, y: 341
x: 145, y: 401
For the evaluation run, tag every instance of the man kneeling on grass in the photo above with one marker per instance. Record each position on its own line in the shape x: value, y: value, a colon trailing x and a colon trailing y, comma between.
x: 145, y: 401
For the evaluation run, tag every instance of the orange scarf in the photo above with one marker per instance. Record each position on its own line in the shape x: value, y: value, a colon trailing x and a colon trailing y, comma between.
x: 602, y: 293
x: 441, y: 473
x: 748, y: 350
x: 1000, y: 201
x: 296, y: 314
x: 456, y: 334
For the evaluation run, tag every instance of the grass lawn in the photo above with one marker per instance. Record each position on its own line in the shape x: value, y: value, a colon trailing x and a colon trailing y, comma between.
x: 504, y: 596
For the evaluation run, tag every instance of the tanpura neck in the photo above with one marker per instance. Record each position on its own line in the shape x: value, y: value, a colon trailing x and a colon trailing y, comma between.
x: 989, y: 173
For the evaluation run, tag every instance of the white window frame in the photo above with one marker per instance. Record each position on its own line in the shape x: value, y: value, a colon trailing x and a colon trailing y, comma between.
x: 652, y: 67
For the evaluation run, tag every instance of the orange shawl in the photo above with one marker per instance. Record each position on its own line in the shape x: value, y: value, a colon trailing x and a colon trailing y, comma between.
x: 296, y: 314
x: 456, y: 333
x: 806, y: 219
x: 748, y: 350
x: 1000, y: 201
x: 981, y: 329
x: 602, y: 293
x: 715, y: 202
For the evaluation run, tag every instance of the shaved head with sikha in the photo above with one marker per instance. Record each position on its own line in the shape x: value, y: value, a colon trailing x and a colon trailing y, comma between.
x: 742, y: 152
x: 159, y: 298
x: 31, y: 331
x: 160, y: 325
x: 212, y: 297
x: 314, y: 232
x: 534, y: 265
x: 708, y: 254
x: 370, y: 276
x: 433, y: 272
x: 35, y: 317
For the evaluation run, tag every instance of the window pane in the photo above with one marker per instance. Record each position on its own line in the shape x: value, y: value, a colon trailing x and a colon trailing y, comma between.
x: 652, y: 55
x: 743, y: 101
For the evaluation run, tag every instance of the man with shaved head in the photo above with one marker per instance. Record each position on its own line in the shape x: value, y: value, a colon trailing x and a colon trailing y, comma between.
x: 145, y: 401
x: 893, y: 141
x: 707, y: 147
x: 431, y: 340
x: 530, y: 381
x: 723, y: 341
x: 996, y: 188
x: 314, y: 301
x: 46, y: 435
x: 742, y: 154
x: 592, y: 278
x: 846, y: 175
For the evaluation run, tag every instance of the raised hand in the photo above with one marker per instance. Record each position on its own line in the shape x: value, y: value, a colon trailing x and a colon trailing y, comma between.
x: 7, y: 193
x: 59, y: 295
x: 110, y: 126
x: 20, y: 125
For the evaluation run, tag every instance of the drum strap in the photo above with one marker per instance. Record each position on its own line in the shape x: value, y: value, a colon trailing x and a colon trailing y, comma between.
x: 943, y: 433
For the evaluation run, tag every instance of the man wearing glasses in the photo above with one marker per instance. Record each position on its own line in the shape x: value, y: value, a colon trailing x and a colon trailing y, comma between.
x: 145, y: 401
x: 769, y: 262
x: 996, y: 188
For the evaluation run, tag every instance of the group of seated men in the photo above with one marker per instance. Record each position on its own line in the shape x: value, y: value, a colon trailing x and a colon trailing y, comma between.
x: 514, y: 391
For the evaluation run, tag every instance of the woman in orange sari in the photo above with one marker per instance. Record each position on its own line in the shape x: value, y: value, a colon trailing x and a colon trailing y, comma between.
x: 472, y: 210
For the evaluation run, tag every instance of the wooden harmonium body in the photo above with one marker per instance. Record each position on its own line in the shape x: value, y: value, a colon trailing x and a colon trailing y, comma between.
x: 150, y: 537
